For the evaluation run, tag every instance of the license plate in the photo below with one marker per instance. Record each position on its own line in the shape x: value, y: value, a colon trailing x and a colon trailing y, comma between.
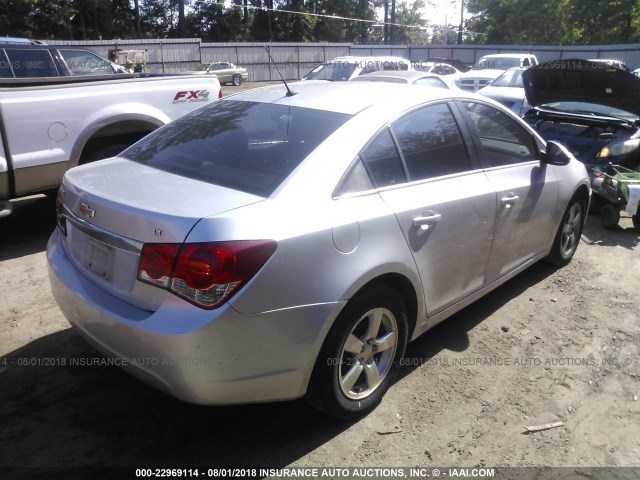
x: 100, y: 259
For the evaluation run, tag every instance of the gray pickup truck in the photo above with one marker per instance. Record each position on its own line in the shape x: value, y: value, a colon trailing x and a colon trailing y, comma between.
x: 48, y: 125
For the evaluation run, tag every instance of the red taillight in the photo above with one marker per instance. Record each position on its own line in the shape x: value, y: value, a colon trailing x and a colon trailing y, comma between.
x: 156, y: 263
x: 220, y: 93
x: 206, y: 274
x: 202, y: 266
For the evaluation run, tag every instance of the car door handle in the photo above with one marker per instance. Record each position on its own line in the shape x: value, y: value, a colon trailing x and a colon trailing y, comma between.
x: 426, y: 220
x: 509, y: 200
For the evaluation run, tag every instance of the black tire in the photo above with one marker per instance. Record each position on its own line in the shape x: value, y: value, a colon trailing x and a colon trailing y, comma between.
x: 636, y: 220
x: 569, y: 232
x: 597, y: 202
x: 236, y: 79
x: 101, y: 153
x: 347, y: 384
x: 610, y: 216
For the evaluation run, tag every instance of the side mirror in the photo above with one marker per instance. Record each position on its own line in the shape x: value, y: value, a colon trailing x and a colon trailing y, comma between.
x: 556, y: 154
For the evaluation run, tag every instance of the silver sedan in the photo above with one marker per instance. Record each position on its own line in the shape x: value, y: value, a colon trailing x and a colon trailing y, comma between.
x: 281, y: 245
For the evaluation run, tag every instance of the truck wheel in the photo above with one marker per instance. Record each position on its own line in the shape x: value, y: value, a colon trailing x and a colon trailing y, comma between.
x: 636, y: 220
x: 106, y: 151
x: 568, y: 235
x: 361, y: 355
x: 236, y: 79
x: 610, y: 216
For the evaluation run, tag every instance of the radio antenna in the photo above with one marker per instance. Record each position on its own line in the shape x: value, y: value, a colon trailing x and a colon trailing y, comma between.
x: 289, y: 92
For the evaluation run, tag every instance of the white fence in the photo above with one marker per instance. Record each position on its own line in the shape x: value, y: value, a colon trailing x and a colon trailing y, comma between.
x: 296, y: 59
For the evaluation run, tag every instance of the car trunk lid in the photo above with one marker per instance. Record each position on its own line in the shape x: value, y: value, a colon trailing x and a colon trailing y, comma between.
x: 108, y: 221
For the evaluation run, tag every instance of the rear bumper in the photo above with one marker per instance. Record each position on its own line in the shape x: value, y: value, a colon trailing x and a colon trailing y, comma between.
x: 200, y: 356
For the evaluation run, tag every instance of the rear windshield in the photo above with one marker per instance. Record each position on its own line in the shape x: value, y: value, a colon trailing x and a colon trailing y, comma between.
x: 334, y: 71
x: 247, y: 146
x: 510, y: 78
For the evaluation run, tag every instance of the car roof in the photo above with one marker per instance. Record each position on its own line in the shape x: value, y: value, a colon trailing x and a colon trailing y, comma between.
x: 508, y: 55
x: 20, y: 41
x: 354, y: 58
x: 406, y: 74
x: 346, y: 97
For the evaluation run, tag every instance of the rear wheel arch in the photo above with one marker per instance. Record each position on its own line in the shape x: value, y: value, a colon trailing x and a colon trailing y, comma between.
x: 361, y: 354
x: 403, y: 286
x: 101, y: 135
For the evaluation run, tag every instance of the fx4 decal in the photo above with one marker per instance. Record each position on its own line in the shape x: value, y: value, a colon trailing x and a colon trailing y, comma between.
x: 189, y: 96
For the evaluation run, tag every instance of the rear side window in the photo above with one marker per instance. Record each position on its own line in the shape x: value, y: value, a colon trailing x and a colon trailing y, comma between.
x: 31, y: 63
x: 383, y: 162
x: 431, y: 143
x: 246, y: 146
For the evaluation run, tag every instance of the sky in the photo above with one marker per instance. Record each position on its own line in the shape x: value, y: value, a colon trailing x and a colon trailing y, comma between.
x: 438, y: 11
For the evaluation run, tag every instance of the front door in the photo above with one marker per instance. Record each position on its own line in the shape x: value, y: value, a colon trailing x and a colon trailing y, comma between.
x: 527, y: 190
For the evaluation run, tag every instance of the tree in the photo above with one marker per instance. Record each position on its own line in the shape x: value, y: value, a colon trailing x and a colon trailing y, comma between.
x: 410, y: 14
x: 605, y: 21
x: 16, y: 18
x: 519, y: 21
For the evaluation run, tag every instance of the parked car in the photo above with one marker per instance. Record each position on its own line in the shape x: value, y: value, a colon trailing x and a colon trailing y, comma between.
x: 227, y: 72
x: 272, y: 246
x: 508, y: 90
x: 448, y: 72
x: 490, y: 67
x: 33, y: 60
x: 593, y: 111
x: 345, y: 68
x: 454, y: 62
x: 414, y: 78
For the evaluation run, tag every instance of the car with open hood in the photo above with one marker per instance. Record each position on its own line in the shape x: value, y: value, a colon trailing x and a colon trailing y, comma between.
x: 592, y: 108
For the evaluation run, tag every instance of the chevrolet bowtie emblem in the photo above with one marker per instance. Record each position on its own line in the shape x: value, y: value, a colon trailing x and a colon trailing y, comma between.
x: 87, y: 211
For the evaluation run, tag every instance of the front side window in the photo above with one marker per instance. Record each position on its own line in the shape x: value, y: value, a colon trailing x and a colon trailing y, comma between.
x: 81, y: 62
x: 246, y: 146
x: 503, y: 140
x: 431, y: 143
x: 27, y: 63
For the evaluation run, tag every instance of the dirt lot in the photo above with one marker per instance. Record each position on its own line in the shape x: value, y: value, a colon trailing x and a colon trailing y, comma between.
x: 548, y: 346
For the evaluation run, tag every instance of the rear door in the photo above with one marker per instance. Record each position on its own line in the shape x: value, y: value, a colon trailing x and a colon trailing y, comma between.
x: 527, y: 189
x: 446, y: 208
